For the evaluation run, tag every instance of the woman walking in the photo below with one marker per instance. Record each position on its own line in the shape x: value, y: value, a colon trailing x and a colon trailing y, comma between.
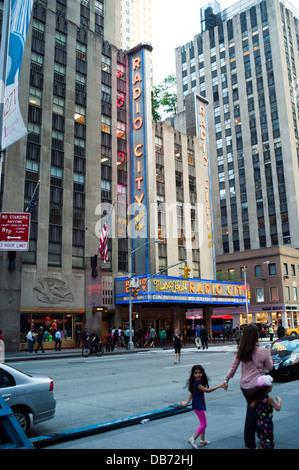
x: 254, y: 360
x: 177, y: 343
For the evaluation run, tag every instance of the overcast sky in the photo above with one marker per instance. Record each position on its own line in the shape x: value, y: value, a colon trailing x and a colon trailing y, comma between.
x: 175, y: 23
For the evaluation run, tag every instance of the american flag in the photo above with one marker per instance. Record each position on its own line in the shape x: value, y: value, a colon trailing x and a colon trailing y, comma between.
x: 32, y: 202
x: 103, y: 249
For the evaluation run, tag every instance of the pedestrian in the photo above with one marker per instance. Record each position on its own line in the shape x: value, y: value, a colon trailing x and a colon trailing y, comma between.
x: 115, y: 337
x: 139, y: 336
x: 254, y: 360
x: 84, y: 337
x: 30, y: 339
x: 264, y: 405
x: 238, y: 335
x: 198, y: 385
x: 109, y: 341
x: 204, y: 336
x: 40, y: 339
x: 57, y: 339
x: 197, y: 336
x: 271, y: 332
x: 177, y: 344
x: 280, y: 331
x: 162, y: 336
x: 152, y: 335
x: 224, y: 331
x: 146, y: 338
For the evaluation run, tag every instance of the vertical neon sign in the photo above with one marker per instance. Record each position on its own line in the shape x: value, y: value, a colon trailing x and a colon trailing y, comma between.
x: 139, y: 76
x: 204, y: 144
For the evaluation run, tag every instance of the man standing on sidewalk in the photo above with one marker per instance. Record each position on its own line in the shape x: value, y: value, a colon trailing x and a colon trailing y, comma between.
x: 57, y: 339
x: 197, y: 337
x: 30, y: 339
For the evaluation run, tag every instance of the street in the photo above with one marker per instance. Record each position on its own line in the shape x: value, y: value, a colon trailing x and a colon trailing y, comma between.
x: 96, y: 390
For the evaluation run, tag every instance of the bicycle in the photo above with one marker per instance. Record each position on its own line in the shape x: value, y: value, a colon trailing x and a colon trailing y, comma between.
x: 90, y: 349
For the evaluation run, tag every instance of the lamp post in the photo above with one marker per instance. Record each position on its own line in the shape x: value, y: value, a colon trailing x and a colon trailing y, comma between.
x: 245, y: 282
x: 131, y: 252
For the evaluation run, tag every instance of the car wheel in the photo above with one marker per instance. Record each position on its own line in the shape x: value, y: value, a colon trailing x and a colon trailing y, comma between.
x: 22, y: 417
x: 293, y: 333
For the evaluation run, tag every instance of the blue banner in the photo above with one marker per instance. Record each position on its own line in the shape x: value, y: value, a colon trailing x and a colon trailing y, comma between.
x: 13, y: 128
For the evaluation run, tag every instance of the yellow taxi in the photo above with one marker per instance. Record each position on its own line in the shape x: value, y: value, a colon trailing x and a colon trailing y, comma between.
x: 292, y: 331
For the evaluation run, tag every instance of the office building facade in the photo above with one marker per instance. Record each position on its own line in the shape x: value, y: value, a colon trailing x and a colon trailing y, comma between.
x: 246, y: 64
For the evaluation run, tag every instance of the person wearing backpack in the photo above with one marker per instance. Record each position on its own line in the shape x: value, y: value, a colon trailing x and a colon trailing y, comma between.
x: 40, y: 339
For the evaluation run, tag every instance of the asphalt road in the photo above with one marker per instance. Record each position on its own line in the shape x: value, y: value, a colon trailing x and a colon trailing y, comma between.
x: 96, y: 390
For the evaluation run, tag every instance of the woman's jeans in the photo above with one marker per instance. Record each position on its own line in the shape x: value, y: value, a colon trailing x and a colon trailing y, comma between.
x: 250, y: 423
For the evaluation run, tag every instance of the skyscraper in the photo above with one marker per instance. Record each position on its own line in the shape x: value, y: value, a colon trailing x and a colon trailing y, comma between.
x: 245, y: 62
x: 247, y: 67
x: 136, y: 22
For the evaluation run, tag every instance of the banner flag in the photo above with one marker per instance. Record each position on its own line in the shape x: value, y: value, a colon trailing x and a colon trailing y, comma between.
x: 103, y: 249
x: 12, y: 124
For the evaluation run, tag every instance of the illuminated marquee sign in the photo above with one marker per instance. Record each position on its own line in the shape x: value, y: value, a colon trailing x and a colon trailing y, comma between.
x: 139, y: 76
x: 168, y: 289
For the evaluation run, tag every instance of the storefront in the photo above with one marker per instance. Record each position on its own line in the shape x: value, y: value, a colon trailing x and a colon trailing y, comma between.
x: 70, y: 323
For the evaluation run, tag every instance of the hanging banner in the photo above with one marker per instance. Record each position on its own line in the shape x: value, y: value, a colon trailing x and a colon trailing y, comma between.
x: 13, y: 128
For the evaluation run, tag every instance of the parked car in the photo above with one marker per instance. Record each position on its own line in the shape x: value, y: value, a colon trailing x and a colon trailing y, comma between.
x: 285, y: 355
x: 292, y: 331
x: 263, y: 329
x: 27, y: 395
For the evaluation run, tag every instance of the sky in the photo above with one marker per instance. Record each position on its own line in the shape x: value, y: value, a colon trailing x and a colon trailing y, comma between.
x: 175, y: 26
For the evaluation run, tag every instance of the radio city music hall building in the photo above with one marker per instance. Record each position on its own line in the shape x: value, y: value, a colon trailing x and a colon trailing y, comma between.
x: 92, y: 142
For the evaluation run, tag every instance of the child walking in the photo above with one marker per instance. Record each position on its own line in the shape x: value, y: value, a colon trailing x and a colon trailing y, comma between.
x: 264, y: 405
x: 198, y: 384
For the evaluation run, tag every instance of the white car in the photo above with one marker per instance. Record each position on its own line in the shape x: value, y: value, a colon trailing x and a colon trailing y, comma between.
x: 27, y: 395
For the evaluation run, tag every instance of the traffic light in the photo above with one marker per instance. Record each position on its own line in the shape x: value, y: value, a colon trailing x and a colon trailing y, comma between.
x: 186, y: 272
x: 248, y: 294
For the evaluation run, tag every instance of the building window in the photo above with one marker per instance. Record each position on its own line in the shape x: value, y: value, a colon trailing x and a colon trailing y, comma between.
x: 288, y: 293
x: 258, y: 271
x: 272, y: 269
x: 295, y: 294
x: 106, y: 64
x: 274, y: 294
x: 285, y: 269
x: 260, y: 294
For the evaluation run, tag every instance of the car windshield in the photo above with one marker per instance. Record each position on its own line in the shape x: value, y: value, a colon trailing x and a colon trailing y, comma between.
x: 285, y: 345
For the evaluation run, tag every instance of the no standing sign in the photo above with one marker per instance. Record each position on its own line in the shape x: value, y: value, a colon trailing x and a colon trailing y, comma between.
x: 14, y: 231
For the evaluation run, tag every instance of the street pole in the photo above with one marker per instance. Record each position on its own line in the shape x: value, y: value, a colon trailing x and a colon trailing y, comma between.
x: 246, y: 296
x: 130, y: 343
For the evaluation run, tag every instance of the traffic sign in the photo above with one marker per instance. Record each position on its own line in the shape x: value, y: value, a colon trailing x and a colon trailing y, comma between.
x: 14, y: 231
